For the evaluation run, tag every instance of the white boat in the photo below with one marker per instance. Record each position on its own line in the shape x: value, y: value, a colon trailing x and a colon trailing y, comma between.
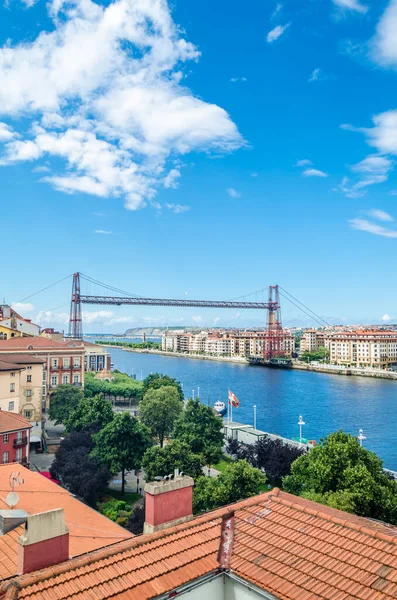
x: 220, y: 408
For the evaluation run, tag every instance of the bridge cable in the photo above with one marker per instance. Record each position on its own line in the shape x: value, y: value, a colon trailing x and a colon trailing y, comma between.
x: 109, y: 287
x: 43, y: 290
x: 300, y: 308
x: 304, y: 305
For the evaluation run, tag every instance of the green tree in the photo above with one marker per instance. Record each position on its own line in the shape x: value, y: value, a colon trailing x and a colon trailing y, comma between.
x: 63, y: 401
x: 121, y: 444
x: 238, y: 481
x: 341, y: 473
x: 90, y: 414
x: 159, y: 409
x: 201, y: 429
x: 157, y: 380
x: 176, y: 455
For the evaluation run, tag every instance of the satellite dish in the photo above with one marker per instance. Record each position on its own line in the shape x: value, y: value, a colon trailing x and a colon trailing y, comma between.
x: 12, y: 499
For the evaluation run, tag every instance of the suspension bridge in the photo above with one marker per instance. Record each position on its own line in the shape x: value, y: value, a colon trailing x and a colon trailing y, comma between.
x: 118, y: 297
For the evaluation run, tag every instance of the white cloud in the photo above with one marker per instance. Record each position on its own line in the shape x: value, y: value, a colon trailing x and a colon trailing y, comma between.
x: 383, y: 135
x: 172, y: 179
x: 98, y: 214
x: 216, y: 320
x: 6, y: 133
x: 315, y: 76
x: 23, y: 307
x: 277, y: 32
x: 196, y: 319
x: 384, y: 43
x: 303, y: 163
x: 41, y: 169
x: 374, y: 169
x: 314, y: 173
x: 381, y: 215
x: 387, y: 317
x: 365, y: 225
x: 277, y: 10
x: 236, y: 79
x: 103, y: 232
x: 233, y: 193
x: 102, y: 93
x: 352, y: 5
x: 178, y: 208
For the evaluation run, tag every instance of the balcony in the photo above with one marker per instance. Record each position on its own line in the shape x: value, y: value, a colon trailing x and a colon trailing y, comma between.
x: 77, y: 383
x: 66, y: 367
x: 76, y: 367
x: 55, y: 368
x: 19, y: 443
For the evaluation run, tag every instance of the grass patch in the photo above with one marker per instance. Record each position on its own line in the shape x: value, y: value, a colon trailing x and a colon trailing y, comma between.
x: 128, y: 497
x: 222, y: 464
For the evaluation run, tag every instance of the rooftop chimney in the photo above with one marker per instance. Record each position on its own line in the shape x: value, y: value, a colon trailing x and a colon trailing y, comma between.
x: 168, y: 502
x: 44, y: 542
x: 11, y: 519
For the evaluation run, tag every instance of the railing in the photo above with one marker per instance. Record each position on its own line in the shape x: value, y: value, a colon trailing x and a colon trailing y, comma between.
x: 66, y: 367
x: 76, y: 367
x: 77, y: 383
x: 20, y: 442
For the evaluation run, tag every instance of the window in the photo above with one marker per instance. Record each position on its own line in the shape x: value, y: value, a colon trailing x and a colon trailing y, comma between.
x: 5, y: 458
x: 65, y: 378
x: 12, y: 374
x: 28, y: 414
x: 76, y: 378
x: 19, y: 454
x: 11, y: 406
x: 54, y: 380
x: 5, y: 438
x: 28, y: 393
x: 76, y: 362
x: 12, y: 387
x: 29, y: 368
x: 66, y: 362
x: 54, y: 363
x: 28, y: 378
x: 19, y: 435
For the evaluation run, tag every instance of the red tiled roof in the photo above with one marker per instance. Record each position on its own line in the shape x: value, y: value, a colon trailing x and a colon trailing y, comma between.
x: 9, y: 366
x: 293, y: 548
x: 37, y: 343
x: 12, y: 422
x: 88, y: 529
x: 21, y: 359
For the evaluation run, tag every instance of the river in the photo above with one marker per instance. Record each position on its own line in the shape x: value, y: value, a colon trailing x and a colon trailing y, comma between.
x: 326, y: 402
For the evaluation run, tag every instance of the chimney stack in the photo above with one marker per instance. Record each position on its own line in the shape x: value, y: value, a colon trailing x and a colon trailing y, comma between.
x: 44, y: 542
x: 168, y: 502
x: 11, y: 519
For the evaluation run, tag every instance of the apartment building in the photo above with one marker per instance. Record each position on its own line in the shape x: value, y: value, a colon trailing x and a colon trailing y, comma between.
x: 259, y: 344
x: 21, y: 380
x: 63, y: 361
x: 14, y: 438
x: 312, y: 340
x: 13, y: 325
x: 363, y: 348
x: 96, y: 358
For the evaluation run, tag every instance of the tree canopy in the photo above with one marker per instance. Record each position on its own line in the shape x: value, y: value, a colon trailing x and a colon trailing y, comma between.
x: 159, y: 409
x: 157, y: 380
x: 91, y: 413
x: 239, y: 480
x: 77, y: 471
x: 63, y: 401
x: 321, y: 354
x: 201, y: 429
x: 341, y: 473
x: 122, y: 385
x: 271, y: 455
x: 176, y: 455
x: 121, y: 444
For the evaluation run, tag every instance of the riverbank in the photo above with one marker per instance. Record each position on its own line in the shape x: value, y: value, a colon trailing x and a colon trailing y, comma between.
x: 351, y: 371
x: 329, y: 369
x: 233, y: 359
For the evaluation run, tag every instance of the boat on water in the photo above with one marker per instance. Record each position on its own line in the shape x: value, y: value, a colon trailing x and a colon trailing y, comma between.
x: 276, y: 363
x: 220, y: 408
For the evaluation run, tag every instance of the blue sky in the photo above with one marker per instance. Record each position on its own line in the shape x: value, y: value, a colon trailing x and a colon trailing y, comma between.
x: 207, y: 149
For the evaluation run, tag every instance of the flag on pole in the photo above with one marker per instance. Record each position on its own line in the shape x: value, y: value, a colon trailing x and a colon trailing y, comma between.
x: 233, y: 400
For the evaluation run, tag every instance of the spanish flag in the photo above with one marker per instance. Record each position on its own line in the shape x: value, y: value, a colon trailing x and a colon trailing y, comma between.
x: 233, y: 400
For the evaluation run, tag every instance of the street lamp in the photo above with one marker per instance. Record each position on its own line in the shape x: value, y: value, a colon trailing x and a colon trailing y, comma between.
x: 361, y: 437
x: 254, y: 416
x: 192, y: 394
x: 300, y: 423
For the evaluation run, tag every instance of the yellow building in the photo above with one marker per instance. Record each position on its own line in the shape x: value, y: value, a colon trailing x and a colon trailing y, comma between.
x: 21, y: 380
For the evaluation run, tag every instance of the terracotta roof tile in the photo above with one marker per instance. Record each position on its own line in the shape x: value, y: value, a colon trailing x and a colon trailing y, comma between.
x: 89, y: 530
x: 12, y: 422
x: 293, y: 548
